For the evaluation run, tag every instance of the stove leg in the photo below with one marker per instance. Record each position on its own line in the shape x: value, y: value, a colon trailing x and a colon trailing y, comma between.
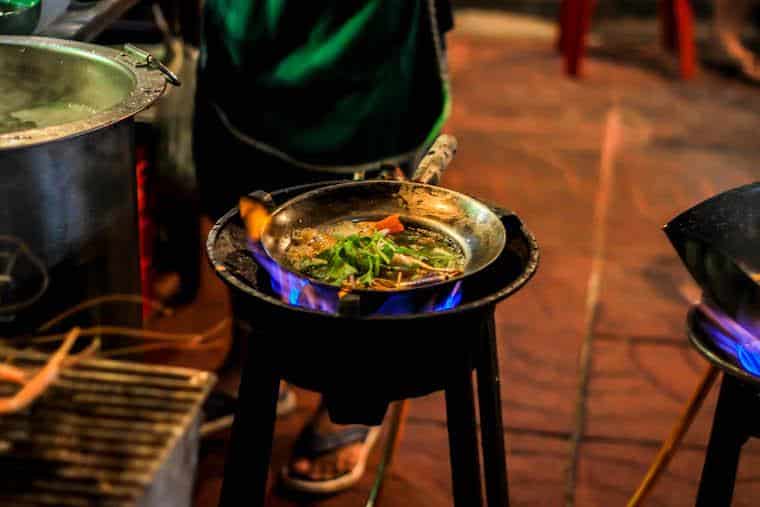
x: 250, y: 447
x: 491, y: 425
x: 463, y: 441
x: 729, y: 433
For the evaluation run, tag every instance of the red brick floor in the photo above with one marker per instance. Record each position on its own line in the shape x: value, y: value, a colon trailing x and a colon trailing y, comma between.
x: 531, y: 139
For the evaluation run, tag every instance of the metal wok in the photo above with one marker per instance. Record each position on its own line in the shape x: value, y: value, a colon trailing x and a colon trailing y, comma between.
x: 719, y: 242
x: 468, y: 222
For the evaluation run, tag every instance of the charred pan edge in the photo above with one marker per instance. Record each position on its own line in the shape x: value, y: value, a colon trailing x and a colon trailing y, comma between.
x: 148, y: 86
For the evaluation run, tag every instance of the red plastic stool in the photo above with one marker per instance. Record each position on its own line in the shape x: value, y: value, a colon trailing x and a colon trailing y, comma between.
x: 677, y: 24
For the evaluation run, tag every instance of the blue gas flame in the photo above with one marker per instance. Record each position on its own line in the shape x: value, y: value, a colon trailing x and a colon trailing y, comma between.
x: 297, y: 291
x: 452, y: 300
x: 400, y: 304
x: 745, y: 353
x: 293, y: 289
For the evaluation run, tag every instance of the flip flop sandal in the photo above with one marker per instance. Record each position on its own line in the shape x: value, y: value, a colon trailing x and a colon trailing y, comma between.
x: 311, y: 445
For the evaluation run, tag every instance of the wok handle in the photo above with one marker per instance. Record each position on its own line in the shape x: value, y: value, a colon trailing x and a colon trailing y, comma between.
x: 436, y: 160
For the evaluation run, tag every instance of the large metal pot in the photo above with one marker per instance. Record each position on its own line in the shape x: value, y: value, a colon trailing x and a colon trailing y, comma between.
x: 68, y: 212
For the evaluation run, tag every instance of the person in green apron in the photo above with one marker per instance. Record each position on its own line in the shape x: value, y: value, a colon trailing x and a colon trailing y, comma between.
x: 293, y: 92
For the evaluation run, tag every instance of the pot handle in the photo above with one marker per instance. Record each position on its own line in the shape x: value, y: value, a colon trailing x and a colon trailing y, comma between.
x: 436, y: 160
x: 150, y: 61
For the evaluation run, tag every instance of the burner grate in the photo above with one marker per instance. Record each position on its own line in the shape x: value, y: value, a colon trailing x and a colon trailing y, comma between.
x: 107, y: 433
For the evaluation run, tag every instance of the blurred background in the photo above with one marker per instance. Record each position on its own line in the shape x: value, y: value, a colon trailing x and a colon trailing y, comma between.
x: 597, y: 139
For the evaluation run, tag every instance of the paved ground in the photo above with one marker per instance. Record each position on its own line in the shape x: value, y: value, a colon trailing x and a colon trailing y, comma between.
x: 533, y: 140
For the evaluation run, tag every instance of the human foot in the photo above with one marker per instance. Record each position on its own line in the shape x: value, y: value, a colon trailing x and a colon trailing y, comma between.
x: 328, y: 457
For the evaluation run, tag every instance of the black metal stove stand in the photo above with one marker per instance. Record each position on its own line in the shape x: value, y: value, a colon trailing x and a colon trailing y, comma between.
x: 361, y: 364
x: 250, y: 448
x: 736, y: 419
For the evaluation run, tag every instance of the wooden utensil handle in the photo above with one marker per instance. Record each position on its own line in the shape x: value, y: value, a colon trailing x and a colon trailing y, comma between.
x: 435, y: 161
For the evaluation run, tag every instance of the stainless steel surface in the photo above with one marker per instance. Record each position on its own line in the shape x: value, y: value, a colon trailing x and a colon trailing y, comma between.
x: 60, y: 197
x: 68, y: 191
x: 472, y: 224
x: 38, y: 72
x: 106, y: 433
x: 86, y: 23
x: 73, y: 204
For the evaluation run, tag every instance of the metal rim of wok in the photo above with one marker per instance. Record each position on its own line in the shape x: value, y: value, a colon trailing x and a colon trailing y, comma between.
x: 147, y: 86
x: 219, y: 267
x: 477, y: 224
x: 697, y: 338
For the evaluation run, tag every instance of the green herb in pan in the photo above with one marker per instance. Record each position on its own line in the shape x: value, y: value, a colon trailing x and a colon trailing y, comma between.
x: 384, y: 261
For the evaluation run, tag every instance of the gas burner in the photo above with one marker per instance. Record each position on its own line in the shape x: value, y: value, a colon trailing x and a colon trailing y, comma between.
x: 718, y: 241
x: 376, y: 350
x: 421, y: 342
x: 242, y: 265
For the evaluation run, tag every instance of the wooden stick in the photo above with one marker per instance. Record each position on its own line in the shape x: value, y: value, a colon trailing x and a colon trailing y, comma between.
x: 394, y: 438
x: 132, y: 332
x: 670, y: 446
x: 41, y: 380
x: 110, y: 298
x: 398, y: 425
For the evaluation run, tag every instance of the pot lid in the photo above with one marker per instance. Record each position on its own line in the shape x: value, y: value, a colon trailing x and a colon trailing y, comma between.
x: 53, y: 89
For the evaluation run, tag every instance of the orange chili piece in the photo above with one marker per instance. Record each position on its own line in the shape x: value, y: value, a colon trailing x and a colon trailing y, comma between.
x: 392, y: 224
